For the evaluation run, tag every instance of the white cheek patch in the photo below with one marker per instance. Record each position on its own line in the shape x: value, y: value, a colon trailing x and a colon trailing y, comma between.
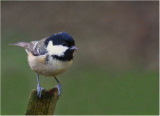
x: 56, y: 49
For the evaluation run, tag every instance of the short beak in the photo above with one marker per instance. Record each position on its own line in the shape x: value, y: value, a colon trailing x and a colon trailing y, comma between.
x: 73, y: 48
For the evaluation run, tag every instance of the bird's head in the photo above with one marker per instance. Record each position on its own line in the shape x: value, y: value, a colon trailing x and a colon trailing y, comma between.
x: 61, y: 45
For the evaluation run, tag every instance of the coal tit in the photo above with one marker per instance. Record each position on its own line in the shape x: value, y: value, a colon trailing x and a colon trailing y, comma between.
x: 50, y: 56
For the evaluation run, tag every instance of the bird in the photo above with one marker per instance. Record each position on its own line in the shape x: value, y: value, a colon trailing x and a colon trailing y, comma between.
x: 50, y: 56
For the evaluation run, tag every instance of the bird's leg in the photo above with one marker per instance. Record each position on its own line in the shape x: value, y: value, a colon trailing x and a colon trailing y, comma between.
x: 59, y: 87
x: 39, y: 88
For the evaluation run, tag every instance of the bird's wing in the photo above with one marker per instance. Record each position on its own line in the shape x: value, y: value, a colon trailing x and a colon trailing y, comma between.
x: 37, y: 48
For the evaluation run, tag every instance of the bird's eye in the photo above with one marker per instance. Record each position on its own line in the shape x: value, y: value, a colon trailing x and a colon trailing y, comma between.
x: 64, y: 44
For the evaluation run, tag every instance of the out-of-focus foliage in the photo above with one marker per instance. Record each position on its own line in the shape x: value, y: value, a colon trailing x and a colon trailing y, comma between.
x: 115, y: 69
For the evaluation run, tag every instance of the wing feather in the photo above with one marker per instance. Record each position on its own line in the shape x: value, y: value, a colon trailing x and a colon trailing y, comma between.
x: 37, y: 48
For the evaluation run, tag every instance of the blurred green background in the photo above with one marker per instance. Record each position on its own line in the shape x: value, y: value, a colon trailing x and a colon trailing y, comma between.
x: 115, y: 70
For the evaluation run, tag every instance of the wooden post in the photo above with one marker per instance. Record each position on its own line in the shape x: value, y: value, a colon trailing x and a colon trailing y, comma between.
x: 44, y: 105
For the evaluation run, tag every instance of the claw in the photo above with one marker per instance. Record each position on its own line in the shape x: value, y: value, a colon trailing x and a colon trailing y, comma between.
x: 59, y: 87
x: 39, y: 89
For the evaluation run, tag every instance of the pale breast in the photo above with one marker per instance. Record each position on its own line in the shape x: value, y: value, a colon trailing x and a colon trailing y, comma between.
x: 52, y: 67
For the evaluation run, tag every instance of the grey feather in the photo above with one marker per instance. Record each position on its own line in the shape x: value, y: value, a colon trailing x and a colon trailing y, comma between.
x: 21, y: 44
x: 35, y: 47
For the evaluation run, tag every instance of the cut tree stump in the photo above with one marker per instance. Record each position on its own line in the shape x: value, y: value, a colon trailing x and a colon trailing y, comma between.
x: 44, y: 105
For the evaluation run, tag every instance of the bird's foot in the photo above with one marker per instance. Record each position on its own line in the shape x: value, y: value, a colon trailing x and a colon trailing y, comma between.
x: 39, y: 89
x: 59, y: 87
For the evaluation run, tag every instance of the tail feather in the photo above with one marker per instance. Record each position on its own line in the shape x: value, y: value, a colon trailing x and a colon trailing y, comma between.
x: 21, y: 44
